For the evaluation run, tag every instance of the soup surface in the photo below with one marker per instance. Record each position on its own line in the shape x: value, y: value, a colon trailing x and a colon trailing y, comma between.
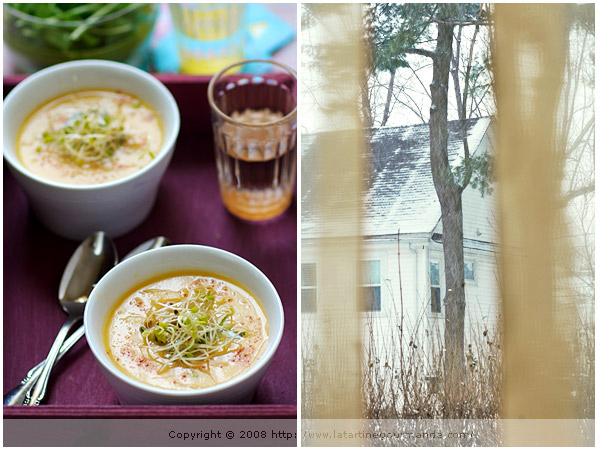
x: 90, y: 137
x: 187, y: 331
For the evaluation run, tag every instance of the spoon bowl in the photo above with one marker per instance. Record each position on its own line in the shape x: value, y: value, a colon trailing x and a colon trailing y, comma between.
x: 95, y: 256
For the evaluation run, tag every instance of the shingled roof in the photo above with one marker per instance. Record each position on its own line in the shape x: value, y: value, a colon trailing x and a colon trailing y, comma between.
x: 399, y: 191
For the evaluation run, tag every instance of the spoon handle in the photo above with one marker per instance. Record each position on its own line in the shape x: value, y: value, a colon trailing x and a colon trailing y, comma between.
x: 40, y: 387
x: 18, y: 394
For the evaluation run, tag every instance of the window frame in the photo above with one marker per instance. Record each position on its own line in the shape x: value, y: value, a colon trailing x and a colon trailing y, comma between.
x: 371, y: 285
x: 435, y: 286
x: 313, y: 288
x: 474, y: 262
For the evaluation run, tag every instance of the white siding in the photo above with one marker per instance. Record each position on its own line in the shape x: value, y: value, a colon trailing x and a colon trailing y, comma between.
x: 405, y: 291
x: 479, y: 218
x: 482, y: 295
x: 397, y: 295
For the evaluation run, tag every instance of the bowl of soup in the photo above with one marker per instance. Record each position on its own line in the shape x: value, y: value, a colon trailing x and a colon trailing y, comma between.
x: 185, y: 324
x: 89, y: 142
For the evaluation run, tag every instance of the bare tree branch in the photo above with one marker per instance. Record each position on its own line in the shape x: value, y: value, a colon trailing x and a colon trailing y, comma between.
x: 416, y: 110
x: 388, y: 101
x: 421, y: 82
x: 463, y: 114
x: 454, y: 72
x: 420, y: 51
x: 571, y: 195
x: 463, y: 23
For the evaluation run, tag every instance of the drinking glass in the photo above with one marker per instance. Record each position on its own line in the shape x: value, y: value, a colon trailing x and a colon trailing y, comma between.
x: 253, y: 107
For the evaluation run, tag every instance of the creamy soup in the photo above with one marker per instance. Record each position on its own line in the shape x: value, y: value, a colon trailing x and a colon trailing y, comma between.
x: 90, y: 137
x: 186, y: 331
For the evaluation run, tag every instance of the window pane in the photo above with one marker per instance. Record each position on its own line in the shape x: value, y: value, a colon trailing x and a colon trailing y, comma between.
x: 375, y: 272
x: 436, y: 301
x: 470, y: 270
x: 309, y: 274
x: 376, y: 304
x: 370, y: 272
x: 434, y: 273
x: 309, y: 300
x: 371, y: 297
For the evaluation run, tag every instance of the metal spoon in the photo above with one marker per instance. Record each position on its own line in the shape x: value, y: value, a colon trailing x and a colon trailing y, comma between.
x: 157, y: 242
x: 18, y: 394
x: 93, y: 258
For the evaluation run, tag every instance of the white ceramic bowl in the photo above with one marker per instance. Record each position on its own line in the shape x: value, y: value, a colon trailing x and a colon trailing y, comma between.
x: 76, y: 211
x: 131, y: 272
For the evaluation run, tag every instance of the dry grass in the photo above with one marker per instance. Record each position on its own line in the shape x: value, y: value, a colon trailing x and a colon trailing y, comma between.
x: 404, y: 388
x: 584, y: 373
x: 403, y: 373
x: 403, y: 380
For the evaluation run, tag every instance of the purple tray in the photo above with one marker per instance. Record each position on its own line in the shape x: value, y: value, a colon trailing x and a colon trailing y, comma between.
x: 188, y: 210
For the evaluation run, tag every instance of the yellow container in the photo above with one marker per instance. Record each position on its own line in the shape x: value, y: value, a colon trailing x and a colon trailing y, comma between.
x: 209, y: 36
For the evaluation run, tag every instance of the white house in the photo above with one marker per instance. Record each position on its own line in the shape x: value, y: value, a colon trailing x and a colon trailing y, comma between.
x: 403, y: 263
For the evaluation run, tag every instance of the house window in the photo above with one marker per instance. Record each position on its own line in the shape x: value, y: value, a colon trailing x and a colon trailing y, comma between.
x: 370, y: 286
x: 308, y: 285
x: 470, y: 270
x: 434, y: 282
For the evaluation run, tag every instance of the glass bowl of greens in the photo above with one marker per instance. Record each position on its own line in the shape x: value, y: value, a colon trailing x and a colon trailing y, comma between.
x: 42, y: 34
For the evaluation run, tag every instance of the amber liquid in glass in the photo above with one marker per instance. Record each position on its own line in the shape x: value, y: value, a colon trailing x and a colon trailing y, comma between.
x: 256, y: 165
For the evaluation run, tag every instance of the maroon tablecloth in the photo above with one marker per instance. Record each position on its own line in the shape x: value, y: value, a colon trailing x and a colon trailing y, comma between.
x: 188, y: 210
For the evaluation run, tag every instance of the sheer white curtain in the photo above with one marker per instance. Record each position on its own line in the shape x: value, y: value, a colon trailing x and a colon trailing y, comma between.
x: 332, y: 176
x: 541, y: 324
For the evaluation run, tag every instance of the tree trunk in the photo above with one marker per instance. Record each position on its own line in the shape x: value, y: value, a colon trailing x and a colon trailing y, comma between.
x: 449, y: 195
x: 455, y: 75
x: 365, y: 106
x: 388, y: 101
x: 454, y: 304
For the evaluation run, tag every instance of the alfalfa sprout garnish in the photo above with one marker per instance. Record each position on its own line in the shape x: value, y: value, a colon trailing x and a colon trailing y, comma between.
x: 90, y: 136
x: 189, y: 329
